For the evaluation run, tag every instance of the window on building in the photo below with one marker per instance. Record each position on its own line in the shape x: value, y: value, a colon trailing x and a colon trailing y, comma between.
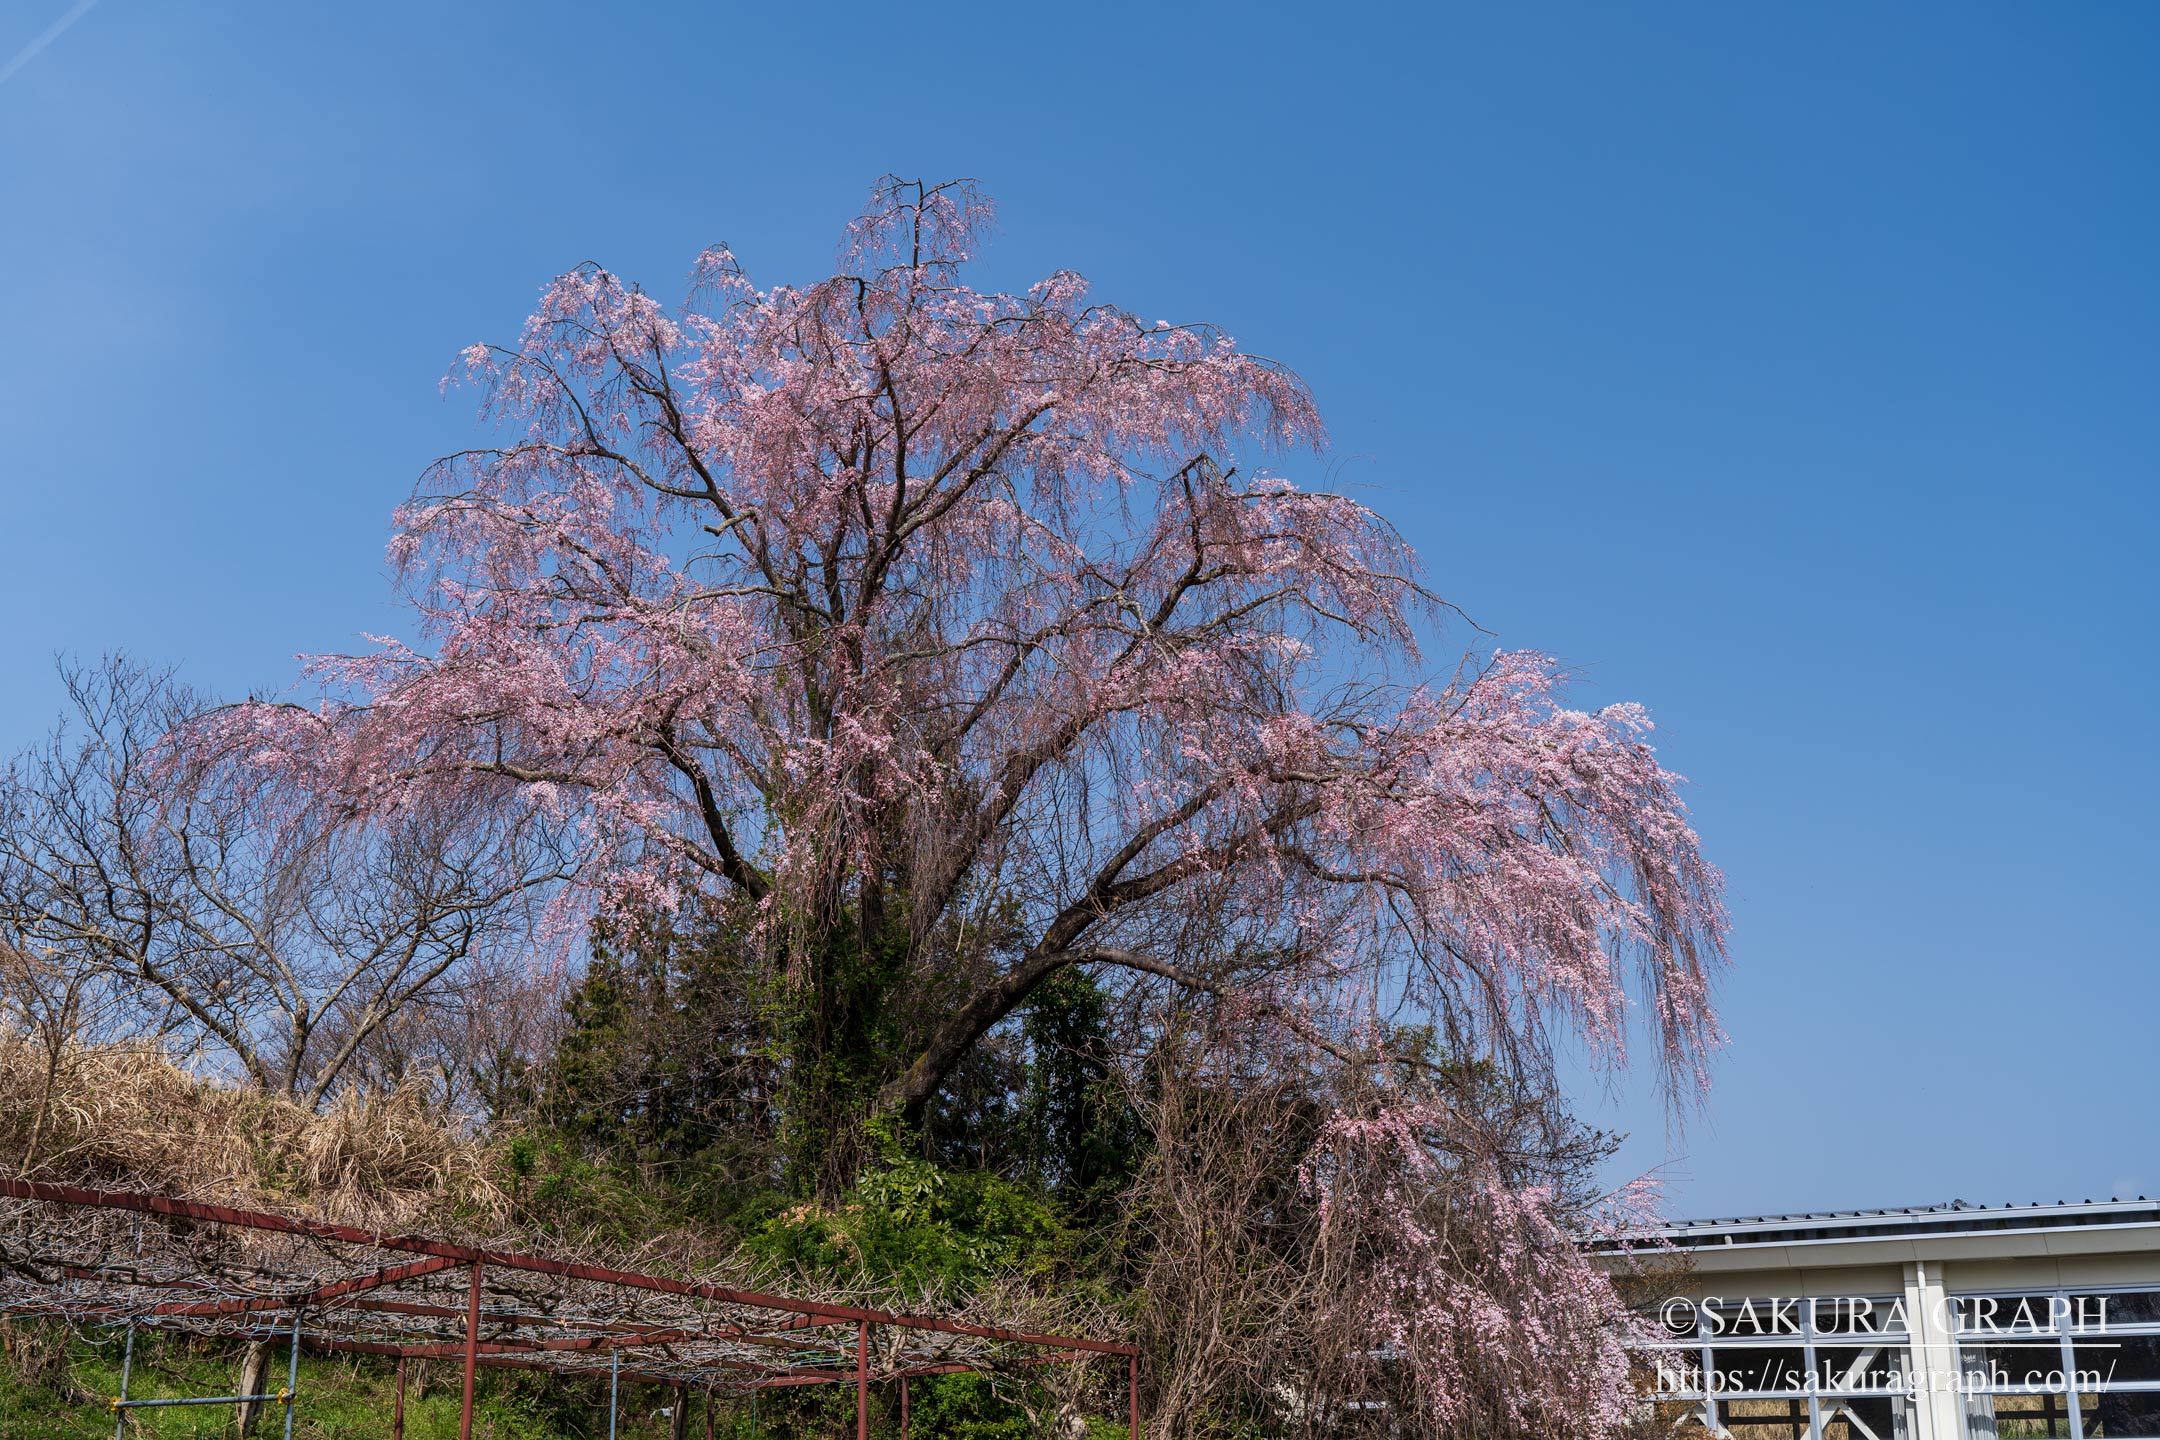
x: 2118, y: 1358
x: 2090, y: 1309
x: 2121, y: 1415
x: 1759, y: 1370
x: 1675, y: 1373
x: 1856, y: 1315
x: 2016, y: 1417
x: 1770, y: 1418
x: 2021, y: 1356
x: 2013, y: 1368
x: 1791, y: 1370
x: 1841, y: 1369
x: 1858, y: 1417
x: 2014, y: 1314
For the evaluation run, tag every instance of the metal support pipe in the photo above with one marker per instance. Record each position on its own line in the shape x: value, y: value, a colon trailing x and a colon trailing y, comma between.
x: 1132, y: 1390
x: 397, y: 1412
x: 903, y: 1408
x: 196, y: 1400
x: 708, y: 1415
x: 292, y: 1376
x: 862, y: 1380
x: 127, y: 1364
x: 472, y: 1353
x: 614, y: 1378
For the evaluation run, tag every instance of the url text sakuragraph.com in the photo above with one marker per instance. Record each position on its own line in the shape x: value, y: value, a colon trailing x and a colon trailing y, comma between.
x: 1980, y: 1323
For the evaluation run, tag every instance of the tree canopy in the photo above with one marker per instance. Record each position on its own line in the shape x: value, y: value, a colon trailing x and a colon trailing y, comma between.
x: 943, y: 633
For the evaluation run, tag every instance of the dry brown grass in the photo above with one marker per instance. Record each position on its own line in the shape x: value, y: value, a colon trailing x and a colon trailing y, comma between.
x: 126, y: 1117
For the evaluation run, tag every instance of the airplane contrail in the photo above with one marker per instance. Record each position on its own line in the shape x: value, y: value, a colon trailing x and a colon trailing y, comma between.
x: 51, y: 33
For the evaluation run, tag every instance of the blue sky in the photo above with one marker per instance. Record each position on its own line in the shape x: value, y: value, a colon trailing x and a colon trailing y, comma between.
x: 1792, y: 371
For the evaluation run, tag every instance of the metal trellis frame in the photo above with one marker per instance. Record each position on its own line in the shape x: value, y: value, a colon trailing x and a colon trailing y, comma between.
x: 218, y: 1271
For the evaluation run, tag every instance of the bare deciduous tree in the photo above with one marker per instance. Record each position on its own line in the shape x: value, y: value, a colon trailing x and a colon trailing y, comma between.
x: 209, y: 898
x: 54, y: 1005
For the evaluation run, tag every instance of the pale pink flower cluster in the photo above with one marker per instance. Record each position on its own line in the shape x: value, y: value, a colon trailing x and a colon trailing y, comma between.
x: 1481, y: 1289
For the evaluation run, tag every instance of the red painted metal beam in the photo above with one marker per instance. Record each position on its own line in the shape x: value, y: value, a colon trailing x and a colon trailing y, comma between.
x: 320, y: 1295
x: 472, y: 1356
x: 862, y: 1381
x: 535, y: 1264
x: 515, y: 1317
x: 963, y: 1367
x: 483, y: 1360
x: 490, y: 1351
x: 782, y: 1382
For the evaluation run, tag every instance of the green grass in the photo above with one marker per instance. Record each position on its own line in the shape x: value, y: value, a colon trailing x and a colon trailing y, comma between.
x: 351, y: 1398
x: 341, y: 1398
x: 54, y: 1385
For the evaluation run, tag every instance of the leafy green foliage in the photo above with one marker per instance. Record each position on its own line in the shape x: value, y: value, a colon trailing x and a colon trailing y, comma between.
x: 667, y: 1068
x: 1086, y: 1140
x: 922, y: 1228
x: 680, y: 1073
x: 965, y: 1407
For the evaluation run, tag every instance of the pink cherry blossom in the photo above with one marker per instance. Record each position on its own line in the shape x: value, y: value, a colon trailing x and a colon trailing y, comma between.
x: 975, y: 620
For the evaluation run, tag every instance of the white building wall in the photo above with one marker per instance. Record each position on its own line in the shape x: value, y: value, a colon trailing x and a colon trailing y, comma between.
x: 1927, y: 1271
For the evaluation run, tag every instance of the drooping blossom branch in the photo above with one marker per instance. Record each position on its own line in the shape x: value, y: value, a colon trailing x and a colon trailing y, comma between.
x: 952, y: 638
x: 893, y: 599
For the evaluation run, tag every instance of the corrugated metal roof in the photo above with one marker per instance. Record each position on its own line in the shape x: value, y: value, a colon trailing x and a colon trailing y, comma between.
x: 1898, y: 1211
x: 1949, y: 1217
